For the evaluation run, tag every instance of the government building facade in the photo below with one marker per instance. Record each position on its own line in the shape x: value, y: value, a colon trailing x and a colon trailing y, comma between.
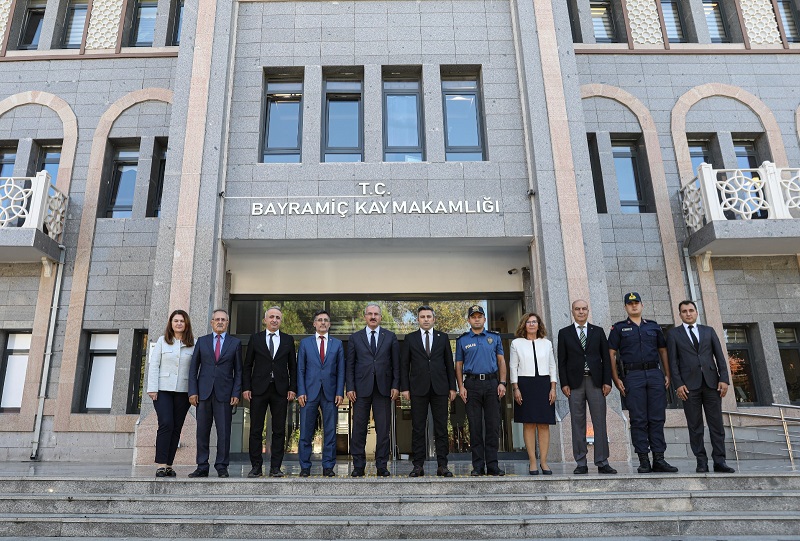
x: 519, y: 154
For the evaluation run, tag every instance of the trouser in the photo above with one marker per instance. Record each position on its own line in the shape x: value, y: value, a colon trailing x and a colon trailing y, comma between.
x: 171, y: 408
x: 647, y: 404
x: 381, y: 407
x: 308, y: 425
x: 278, y: 405
x: 705, y: 399
x: 591, y: 394
x: 483, y: 413
x: 219, y: 413
x: 419, y: 417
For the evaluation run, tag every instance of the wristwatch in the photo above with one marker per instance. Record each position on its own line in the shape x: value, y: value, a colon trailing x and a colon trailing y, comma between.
x: 504, y: 384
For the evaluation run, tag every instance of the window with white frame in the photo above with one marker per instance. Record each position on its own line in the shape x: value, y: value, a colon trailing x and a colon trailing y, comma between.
x: 12, y: 371
x: 102, y: 362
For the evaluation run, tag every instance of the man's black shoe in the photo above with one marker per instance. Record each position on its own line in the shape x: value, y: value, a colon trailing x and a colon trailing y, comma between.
x: 702, y: 466
x: 644, y: 463
x: 606, y: 469
x: 255, y: 472
x: 442, y: 471
x: 580, y: 470
x: 661, y: 465
x: 476, y: 473
x: 721, y: 467
x: 417, y: 472
x: 357, y: 472
x: 328, y: 472
x: 223, y: 473
x: 305, y: 472
x: 199, y: 473
x: 383, y: 472
x: 275, y: 472
x: 499, y: 472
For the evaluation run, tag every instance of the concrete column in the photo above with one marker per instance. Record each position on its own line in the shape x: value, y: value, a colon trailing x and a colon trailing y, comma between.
x: 27, y: 154
x: 725, y: 141
x: 608, y: 171
x: 164, y: 12
x: 122, y: 372
x: 768, y: 369
x: 694, y: 18
x: 312, y: 115
x: 434, y: 119
x: 373, y: 114
x: 52, y: 25
x: 144, y: 171
x: 581, y: 15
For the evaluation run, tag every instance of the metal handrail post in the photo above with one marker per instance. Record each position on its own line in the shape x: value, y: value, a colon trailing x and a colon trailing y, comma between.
x: 786, y: 435
x: 733, y: 437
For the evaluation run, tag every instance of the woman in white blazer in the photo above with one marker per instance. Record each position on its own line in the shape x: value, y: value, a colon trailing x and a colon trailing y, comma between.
x: 168, y: 386
x: 533, y: 382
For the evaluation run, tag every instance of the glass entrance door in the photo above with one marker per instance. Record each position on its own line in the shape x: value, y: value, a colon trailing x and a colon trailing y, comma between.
x: 399, y: 315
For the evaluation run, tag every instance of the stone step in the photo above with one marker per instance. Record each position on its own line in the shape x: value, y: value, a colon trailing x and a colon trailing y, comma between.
x: 606, y: 524
x: 260, y: 505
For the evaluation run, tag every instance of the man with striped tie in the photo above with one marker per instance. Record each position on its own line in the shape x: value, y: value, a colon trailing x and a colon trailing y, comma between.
x: 584, y: 369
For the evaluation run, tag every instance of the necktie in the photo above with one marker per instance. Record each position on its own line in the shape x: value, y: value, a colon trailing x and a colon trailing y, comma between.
x: 694, y: 338
x: 583, y: 345
x: 372, y: 344
x: 271, y: 345
x: 217, y: 348
x: 322, y: 349
x: 428, y: 343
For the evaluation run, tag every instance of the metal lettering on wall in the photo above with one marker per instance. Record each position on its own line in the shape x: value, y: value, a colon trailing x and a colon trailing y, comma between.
x: 381, y: 203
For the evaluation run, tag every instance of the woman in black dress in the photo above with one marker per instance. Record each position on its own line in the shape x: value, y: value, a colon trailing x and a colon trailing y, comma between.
x: 533, y: 381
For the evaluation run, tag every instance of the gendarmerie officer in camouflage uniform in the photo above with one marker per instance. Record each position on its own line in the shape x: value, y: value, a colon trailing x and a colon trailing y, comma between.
x: 481, y: 375
x: 640, y: 344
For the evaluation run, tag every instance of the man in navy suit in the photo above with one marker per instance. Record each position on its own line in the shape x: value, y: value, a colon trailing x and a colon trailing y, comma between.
x: 700, y: 374
x: 428, y: 378
x: 215, y: 385
x: 320, y: 385
x: 373, y: 382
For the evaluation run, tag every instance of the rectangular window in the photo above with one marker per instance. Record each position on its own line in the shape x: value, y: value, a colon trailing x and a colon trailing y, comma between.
x: 698, y: 151
x: 49, y: 158
x: 597, y: 174
x: 789, y: 346
x: 144, y: 23
x: 747, y: 158
x: 7, y: 158
x: 123, y: 184
x: 629, y: 177
x: 177, y: 22
x: 138, y: 363
x: 789, y: 18
x: 100, y: 373
x: 463, y: 121
x: 283, y: 130
x: 603, y: 22
x: 739, y: 359
x: 343, y: 124
x: 13, y: 368
x: 402, y: 121
x: 673, y: 20
x: 32, y: 26
x: 73, y: 27
x: 715, y: 20
x: 156, y: 190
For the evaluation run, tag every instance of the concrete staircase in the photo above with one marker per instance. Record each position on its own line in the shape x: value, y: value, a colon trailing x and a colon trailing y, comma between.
x: 513, y: 507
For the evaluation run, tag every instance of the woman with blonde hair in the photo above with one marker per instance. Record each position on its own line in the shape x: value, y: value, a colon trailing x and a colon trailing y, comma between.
x: 533, y: 382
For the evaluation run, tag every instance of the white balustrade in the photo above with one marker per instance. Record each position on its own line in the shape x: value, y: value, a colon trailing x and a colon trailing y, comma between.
x: 32, y: 203
x: 767, y: 192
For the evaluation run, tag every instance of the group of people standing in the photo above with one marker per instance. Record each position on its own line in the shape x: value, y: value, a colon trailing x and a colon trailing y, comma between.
x: 209, y: 373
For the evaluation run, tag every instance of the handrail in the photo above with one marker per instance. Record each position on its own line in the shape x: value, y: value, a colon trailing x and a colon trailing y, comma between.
x: 782, y: 418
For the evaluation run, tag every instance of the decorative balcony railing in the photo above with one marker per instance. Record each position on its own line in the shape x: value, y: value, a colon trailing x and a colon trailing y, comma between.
x: 32, y: 203
x: 768, y: 192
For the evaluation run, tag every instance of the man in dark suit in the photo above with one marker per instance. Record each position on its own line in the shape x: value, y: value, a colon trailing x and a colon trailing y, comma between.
x: 584, y: 368
x: 215, y: 385
x: 700, y: 374
x: 269, y: 380
x: 373, y: 382
x: 428, y: 378
x: 320, y: 383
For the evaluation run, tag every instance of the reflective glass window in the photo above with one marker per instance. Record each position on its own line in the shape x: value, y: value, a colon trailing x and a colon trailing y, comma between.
x: 73, y: 28
x: 402, y: 121
x: 283, y: 129
x: 123, y: 184
x: 32, y: 26
x: 463, y: 121
x: 144, y: 23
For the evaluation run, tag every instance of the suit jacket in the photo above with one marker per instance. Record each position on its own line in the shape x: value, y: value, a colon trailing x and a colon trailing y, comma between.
x: 224, y: 377
x: 571, y: 356
x: 420, y: 373
x: 364, y: 368
x: 689, y: 367
x: 313, y: 375
x: 258, y: 364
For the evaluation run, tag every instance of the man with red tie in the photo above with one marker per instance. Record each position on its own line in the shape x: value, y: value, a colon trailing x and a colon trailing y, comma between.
x: 215, y: 386
x: 320, y: 386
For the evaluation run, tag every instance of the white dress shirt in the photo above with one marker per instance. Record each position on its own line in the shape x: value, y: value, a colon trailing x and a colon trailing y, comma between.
x: 522, y: 362
x: 377, y: 335
x: 276, y: 340
x: 693, y: 331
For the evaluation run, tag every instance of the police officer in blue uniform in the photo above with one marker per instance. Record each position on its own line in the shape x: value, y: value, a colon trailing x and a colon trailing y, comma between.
x: 481, y: 375
x: 640, y: 344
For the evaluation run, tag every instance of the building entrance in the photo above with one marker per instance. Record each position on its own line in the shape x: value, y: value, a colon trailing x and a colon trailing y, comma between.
x: 399, y: 315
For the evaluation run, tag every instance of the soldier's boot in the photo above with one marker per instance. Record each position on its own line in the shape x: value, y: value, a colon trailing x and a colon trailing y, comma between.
x: 644, y: 463
x: 661, y: 465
